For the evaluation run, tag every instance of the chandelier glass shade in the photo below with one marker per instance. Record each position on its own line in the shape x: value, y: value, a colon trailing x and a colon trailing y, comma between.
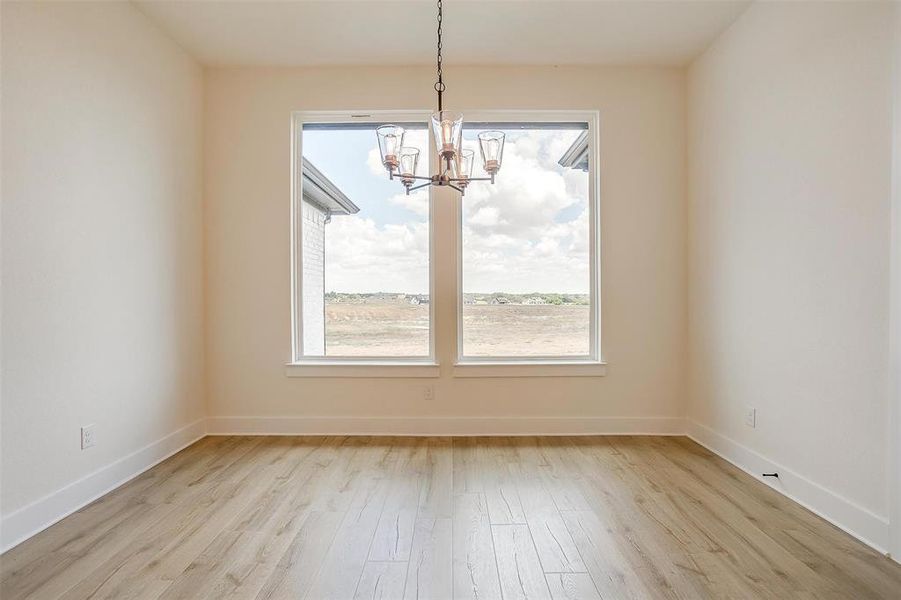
x: 491, y: 144
x: 447, y: 128
x: 467, y: 158
x: 391, y: 139
x: 455, y: 162
x: 409, y: 160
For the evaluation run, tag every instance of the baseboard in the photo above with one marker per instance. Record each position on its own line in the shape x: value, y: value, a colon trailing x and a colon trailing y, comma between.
x: 445, y: 426
x: 866, y: 526
x: 29, y: 520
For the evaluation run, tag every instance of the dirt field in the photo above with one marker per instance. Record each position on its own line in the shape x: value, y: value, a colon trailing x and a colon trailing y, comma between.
x: 525, y: 330
x: 402, y: 329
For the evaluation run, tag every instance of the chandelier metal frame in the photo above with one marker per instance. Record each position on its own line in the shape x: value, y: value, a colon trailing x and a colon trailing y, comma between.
x: 456, y: 163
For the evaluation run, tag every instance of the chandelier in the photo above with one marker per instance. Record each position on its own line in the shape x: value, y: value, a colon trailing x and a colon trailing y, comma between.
x: 455, y: 162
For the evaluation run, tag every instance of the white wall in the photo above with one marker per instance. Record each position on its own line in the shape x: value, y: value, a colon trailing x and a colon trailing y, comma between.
x: 789, y: 227
x: 101, y: 247
x: 247, y: 200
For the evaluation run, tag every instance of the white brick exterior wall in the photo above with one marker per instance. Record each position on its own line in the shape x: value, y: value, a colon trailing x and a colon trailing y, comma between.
x: 313, y: 279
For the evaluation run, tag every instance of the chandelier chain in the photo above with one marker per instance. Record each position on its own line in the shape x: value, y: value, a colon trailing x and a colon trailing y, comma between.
x: 439, y: 85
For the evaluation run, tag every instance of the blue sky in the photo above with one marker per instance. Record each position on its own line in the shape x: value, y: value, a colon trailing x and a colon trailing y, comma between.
x: 529, y: 232
x: 342, y: 157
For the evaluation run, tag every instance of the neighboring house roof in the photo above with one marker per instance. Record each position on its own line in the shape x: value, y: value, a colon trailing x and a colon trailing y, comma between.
x: 577, y: 155
x: 319, y: 190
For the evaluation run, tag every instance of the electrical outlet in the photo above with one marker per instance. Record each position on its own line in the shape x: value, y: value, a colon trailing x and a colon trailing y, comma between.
x: 88, y: 436
x: 428, y: 394
x: 751, y: 417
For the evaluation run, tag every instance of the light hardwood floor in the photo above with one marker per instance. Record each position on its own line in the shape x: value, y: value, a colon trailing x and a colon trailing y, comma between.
x: 407, y: 518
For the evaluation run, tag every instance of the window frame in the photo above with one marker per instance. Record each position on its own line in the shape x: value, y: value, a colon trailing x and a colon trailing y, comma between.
x: 350, y: 366
x: 591, y: 364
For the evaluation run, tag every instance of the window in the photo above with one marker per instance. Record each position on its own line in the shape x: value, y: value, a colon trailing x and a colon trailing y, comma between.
x: 363, y: 261
x: 363, y: 289
x: 528, y: 256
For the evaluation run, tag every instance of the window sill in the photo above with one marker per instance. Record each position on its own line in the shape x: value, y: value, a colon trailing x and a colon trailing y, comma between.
x: 530, y: 369
x: 373, y: 369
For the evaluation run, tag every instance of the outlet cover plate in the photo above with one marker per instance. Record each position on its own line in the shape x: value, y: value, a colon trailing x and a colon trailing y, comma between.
x: 88, y: 436
x: 751, y: 417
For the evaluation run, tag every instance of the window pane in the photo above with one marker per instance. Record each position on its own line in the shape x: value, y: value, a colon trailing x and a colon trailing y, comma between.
x: 526, y: 261
x: 365, y: 248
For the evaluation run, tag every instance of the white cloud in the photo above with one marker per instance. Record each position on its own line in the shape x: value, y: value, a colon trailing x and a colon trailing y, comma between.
x: 374, y: 163
x: 360, y: 256
x: 529, y: 191
x: 417, y: 202
x: 512, y: 240
x: 484, y: 217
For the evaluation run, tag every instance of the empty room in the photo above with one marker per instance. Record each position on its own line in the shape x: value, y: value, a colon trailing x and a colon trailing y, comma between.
x: 450, y: 299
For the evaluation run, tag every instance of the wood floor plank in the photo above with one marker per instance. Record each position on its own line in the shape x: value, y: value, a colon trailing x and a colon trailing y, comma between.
x: 430, y: 573
x: 223, y: 568
x: 560, y: 475
x: 613, y: 574
x: 467, y: 470
x: 572, y: 586
x: 343, y: 565
x: 138, y: 565
x: 52, y: 573
x: 198, y: 480
x: 382, y: 581
x: 294, y: 574
x: 158, y: 558
x: 436, y: 498
x: 556, y: 548
x: 475, y: 567
x: 501, y: 495
x: 517, y: 564
x: 239, y: 562
x: 394, y: 534
x: 654, y: 542
x: 286, y: 497
x: 721, y: 521
x: 322, y: 517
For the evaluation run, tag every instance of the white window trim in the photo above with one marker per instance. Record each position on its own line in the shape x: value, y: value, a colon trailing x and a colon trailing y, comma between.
x: 390, y: 367
x: 591, y: 365
x: 349, y: 366
x: 556, y: 368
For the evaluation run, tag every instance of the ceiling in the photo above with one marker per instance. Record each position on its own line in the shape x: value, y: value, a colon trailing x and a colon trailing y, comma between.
x: 393, y: 32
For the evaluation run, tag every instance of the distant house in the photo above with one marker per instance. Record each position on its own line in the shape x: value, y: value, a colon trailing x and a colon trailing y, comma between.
x: 321, y: 201
x: 576, y: 157
x: 500, y: 300
x: 534, y: 300
x: 419, y: 299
